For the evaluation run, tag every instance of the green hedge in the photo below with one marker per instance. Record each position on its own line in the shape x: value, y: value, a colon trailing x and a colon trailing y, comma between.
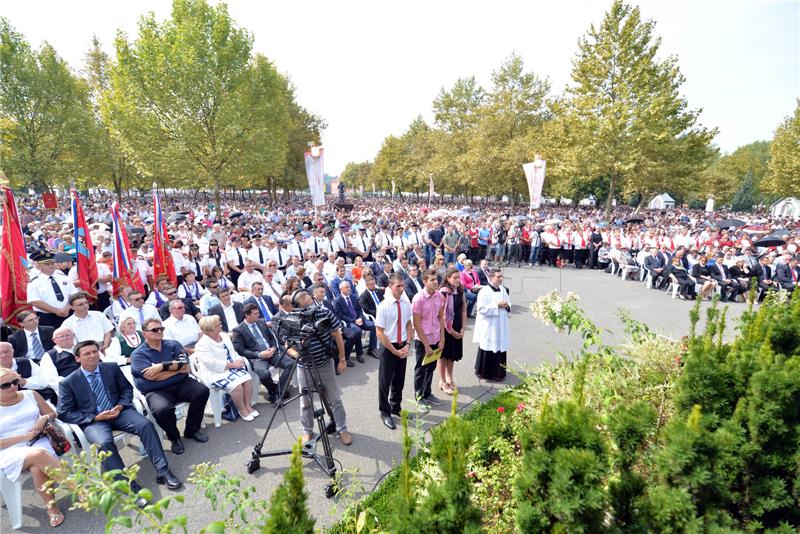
x: 384, y: 499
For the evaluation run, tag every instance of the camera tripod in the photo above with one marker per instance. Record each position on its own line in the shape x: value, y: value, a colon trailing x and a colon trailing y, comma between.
x: 325, y: 460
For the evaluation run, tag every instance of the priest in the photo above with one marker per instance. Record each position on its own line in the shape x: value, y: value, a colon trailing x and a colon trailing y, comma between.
x: 491, y: 328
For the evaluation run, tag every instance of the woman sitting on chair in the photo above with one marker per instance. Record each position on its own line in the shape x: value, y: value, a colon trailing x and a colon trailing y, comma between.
x: 221, y: 367
x: 24, y: 414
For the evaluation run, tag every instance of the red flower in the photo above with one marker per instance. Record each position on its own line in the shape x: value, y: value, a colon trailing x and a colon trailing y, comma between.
x: 501, y: 409
x: 520, y: 407
x: 472, y: 474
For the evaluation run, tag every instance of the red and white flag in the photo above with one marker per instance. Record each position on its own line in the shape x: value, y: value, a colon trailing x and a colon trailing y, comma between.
x: 125, y: 273
x: 13, y: 268
x: 162, y: 258
x: 86, y: 262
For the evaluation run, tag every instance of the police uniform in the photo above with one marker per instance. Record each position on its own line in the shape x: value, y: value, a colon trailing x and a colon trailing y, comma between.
x: 53, y: 290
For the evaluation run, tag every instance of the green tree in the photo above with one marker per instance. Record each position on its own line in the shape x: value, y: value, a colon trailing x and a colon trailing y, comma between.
x: 389, y: 163
x: 288, y: 513
x: 357, y: 174
x: 44, y: 111
x: 626, y: 118
x: 746, y: 196
x: 783, y: 178
x: 192, y: 99
x: 725, y: 175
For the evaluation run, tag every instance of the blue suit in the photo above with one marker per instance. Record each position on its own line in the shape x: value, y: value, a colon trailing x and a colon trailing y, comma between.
x: 348, y: 317
x: 334, y: 285
x: 271, y: 308
x: 77, y: 405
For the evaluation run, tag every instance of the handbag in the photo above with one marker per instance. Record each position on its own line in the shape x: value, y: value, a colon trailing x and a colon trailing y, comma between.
x: 56, y: 436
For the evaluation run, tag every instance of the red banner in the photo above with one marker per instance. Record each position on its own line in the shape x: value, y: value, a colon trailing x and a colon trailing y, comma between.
x: 50, y: 201
x: 125, y: 273
x: 13, y: 272
x: 87, y: 264
x: 162, y: 258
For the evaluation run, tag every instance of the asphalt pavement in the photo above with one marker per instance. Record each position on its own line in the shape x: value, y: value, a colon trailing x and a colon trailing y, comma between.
x: 376, y: 449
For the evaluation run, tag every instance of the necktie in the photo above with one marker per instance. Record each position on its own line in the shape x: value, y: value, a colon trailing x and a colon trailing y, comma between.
x: 260, y: 256
x: 241, y: 261
x: 100, y: 396
x: 280, y: 258
x: 364, y: 243
x: 264, y: 312
x: 260, y: 341
x: 36, y: 345
x: 141, y: 318
x: 350, y: 305
x: 56, y: 289
x: 375, y: 297
x: 316, y: 247
x: 197, y: 268
x: 399, y: 323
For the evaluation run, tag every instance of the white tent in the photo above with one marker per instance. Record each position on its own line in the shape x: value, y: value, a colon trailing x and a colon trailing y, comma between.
x: 787, y: 207
x: 591, y: 200
x: 662, y: 202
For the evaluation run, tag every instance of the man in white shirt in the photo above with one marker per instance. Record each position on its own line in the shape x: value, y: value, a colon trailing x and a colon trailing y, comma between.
x: 362, y: 245
x: 314, y: 243
x: 158, y: 296
x: 329, y: 267
x: 87, y: 324
x: 140, y: 311
x: 278, y: 254
x: 295, y: 248
x: 181, y: 327
x: 48, y: 292
x: 31, y: 376
x: 59, y: 361
x: 258, y: 253
x: 249, y: 276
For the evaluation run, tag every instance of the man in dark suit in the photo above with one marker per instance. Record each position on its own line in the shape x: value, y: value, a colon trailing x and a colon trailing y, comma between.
x: 763, y: 273
x: 383, y: 279
x: 227, y: 309
x: 655, y: 265
x: 786, y: 274
x: 719, y: 273
x: 33, y: 340
x: 483, y: 272
x: 265, y: 306
x: 346, y: 308
x: 98, y: 398
x: 369, y: 300
x: 413, y: 283
x: 256, y: 342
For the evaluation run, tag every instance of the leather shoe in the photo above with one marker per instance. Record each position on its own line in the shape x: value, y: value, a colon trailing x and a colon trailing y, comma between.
x: 372, y: 353
x: 198, y: 436
x: 360, y: 358
x: 345, y: 437
x: 351, y: 364
x: 141, y: 502
x: 165, y: 476
x: 331, y: 428
x: 273, y: 398
x: 177, y: 447
x: 388, y: 421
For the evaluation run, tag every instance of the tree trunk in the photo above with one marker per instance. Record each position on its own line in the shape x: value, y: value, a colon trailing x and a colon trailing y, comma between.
x: 610, y: 200
x: 217, y: 200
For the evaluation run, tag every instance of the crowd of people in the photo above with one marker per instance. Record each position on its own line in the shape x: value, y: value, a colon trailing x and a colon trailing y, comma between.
x: 388, y: 279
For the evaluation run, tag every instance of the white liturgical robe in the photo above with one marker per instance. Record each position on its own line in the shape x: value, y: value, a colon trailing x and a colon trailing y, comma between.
x: 491, y: 324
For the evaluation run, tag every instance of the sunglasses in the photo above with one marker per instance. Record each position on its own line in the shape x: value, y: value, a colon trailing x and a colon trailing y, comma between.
x: 156, y: 330
x: 7, y: 385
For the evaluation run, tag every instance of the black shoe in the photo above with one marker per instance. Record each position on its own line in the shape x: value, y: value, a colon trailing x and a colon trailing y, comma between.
x: 360, y: 358
x: 372, y: 353
x: 331, y: 428
x: 388, y: 421
x: 397, y: 413
x: 141, y: 502
x: 177, y: 447
x: 198, y: 436
x: 165, y: 476
x: 338, y: 372
x: 350, y: 364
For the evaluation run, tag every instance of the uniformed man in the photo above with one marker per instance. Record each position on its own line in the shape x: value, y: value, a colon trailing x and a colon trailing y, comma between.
x: 49, y: 291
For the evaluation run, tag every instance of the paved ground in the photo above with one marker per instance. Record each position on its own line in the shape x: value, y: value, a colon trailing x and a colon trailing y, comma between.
x: 376, y: 449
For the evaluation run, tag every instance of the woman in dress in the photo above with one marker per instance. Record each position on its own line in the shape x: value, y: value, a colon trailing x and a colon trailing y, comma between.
x: 292, y: 284
x: 455, y: 320
x: 491, y: 329
x: 702, y: 275
x: 24, y: 414
x: 685, y: 282
x: 124, y: 343
x: 358, y: 269
x: 190, y: 288
x: 194, y: 262
x: 222, y: 281
x: 214, y: 258
x: 220, y: 366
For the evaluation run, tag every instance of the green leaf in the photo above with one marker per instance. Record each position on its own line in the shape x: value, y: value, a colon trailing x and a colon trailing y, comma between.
x: 217, y: 527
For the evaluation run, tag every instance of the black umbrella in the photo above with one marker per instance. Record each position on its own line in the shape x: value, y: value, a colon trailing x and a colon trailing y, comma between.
x: 727, y: 223
x: 634, y: 220
x: 769, y: 241
x: 235, y: 214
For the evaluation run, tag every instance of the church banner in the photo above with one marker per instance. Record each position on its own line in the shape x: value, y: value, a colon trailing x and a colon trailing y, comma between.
x: 315, y: 158
x: 534, y: 173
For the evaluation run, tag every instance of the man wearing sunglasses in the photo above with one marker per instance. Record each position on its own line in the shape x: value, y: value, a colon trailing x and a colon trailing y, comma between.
x: 140, y: 311
x: 161, y: 371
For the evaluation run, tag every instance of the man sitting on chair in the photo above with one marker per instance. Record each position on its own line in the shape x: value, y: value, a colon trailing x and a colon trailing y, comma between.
x: 98, y: 398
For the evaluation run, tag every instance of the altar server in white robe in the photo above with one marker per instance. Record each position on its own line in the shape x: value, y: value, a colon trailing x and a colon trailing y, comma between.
x: 491, y: 329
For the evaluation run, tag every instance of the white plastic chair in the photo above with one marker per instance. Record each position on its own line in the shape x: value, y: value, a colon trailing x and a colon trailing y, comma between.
x: 216, y: 397
x: 181, y: 410
x: 109, y: 313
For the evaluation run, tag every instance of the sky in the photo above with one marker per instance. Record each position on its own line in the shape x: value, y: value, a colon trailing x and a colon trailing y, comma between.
x: 370, y: 67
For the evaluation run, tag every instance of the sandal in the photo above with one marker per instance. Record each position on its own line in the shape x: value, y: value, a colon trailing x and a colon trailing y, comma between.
x: 56, y: 519
x: 448, y: 390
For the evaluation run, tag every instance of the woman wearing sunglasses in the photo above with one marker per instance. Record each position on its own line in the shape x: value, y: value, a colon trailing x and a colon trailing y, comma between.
x: 23, y: 415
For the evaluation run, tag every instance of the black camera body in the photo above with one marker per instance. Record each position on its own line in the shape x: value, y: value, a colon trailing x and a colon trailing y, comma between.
x: 298, y: 328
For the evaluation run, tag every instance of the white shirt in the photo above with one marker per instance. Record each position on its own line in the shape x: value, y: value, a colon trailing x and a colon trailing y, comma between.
x: 311, y: 241
x: 148, y: 311
x: 246, y: 280
x: 178, y: 260
x: 37, y: 380
x: 185, y: 331
x: 94, y: 326
x: 295, y: 248
x: 28, y: 334
x: 195, y: 291
x: 253, y: 255
x: 102, y: 272
x: 49, y: 371
x: 386, y: 317
x: 329, y: 271
x: 152, y: 298
x: 232, y: 255
x: 279, y: 256
x: 42, y: 289
x: 361, y: 243
x: 118, y: 306
x: 230, y: 316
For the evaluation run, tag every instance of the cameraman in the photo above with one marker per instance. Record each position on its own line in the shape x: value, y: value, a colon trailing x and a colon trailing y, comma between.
x: 318, y: 351
x: 160, y: 371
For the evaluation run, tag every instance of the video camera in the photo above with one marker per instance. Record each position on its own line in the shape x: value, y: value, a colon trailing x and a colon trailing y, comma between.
x: 297, y: 328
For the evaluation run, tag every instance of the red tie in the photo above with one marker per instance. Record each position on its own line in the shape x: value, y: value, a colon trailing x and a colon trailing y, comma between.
x: 794, y: 276
x: 399, y: 323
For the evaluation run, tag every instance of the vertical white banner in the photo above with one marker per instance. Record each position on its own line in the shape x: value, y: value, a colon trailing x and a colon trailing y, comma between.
x: 315, y: 159
x: 373, y: 188
x: 710, y: 205
x: 394, y: 186
x: 431, y: 190
x: 534, y: 174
